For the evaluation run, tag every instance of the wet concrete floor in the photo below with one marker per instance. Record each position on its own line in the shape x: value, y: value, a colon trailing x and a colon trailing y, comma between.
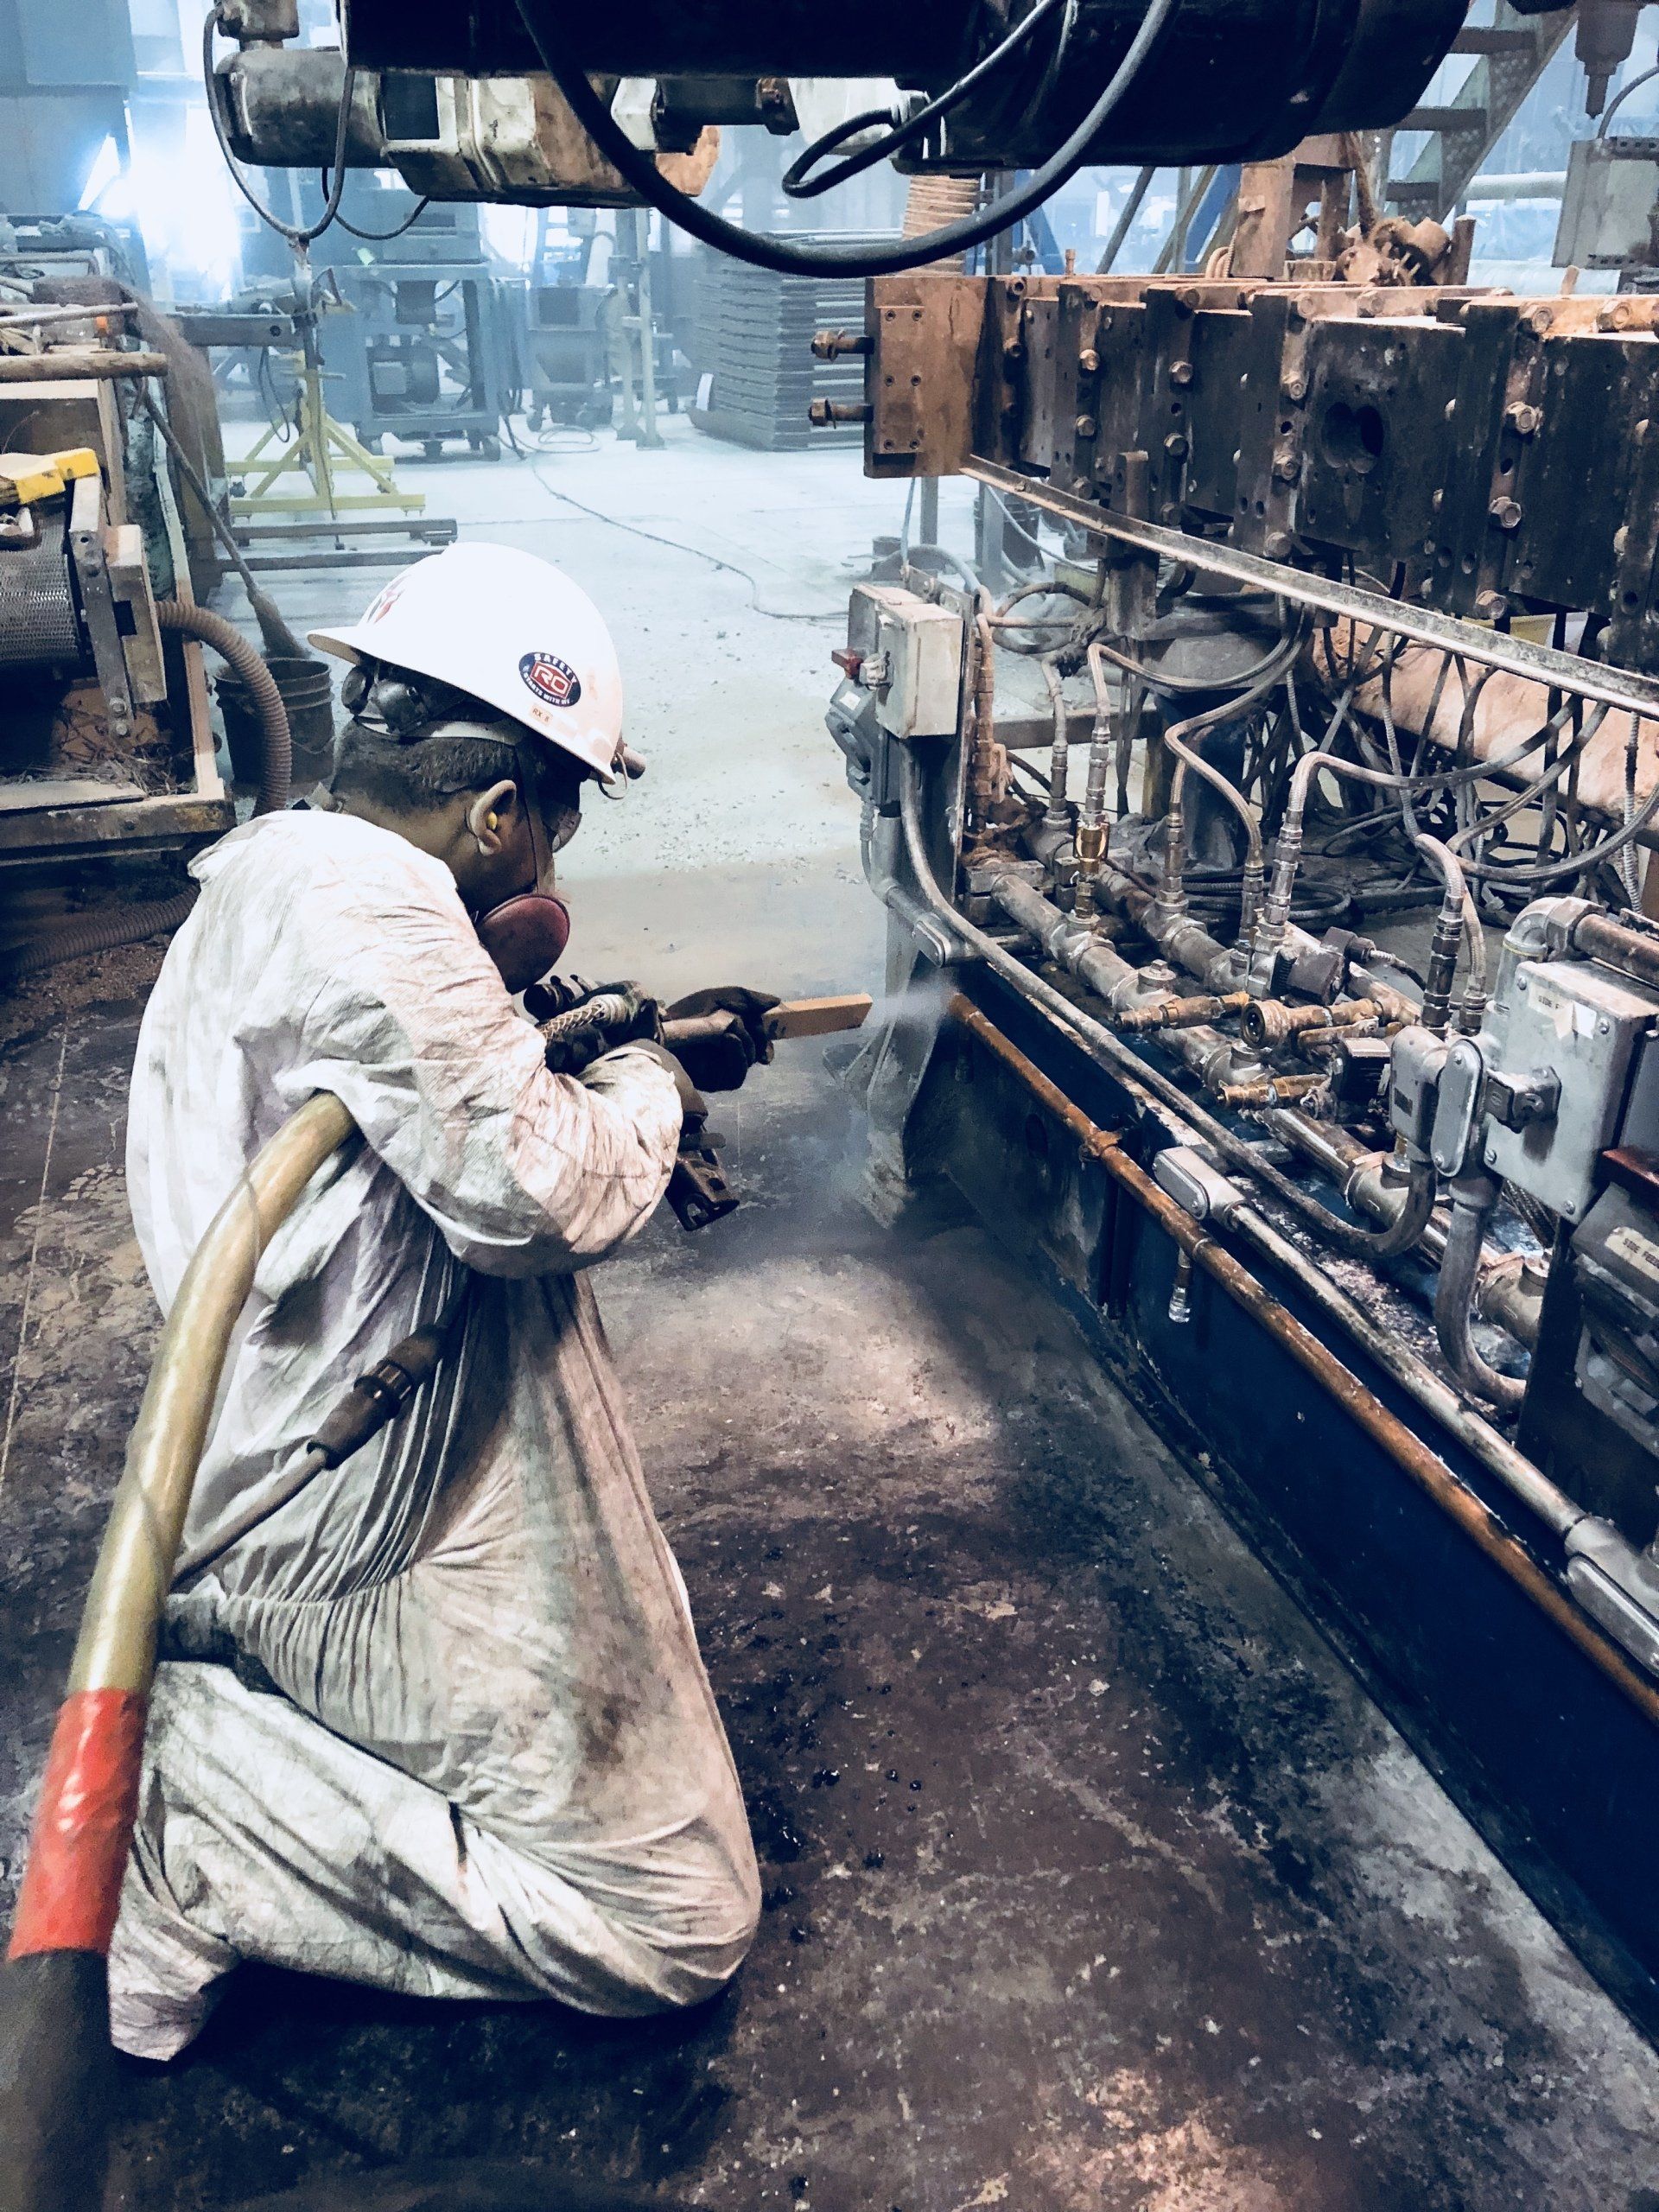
x: 1093, y: 1883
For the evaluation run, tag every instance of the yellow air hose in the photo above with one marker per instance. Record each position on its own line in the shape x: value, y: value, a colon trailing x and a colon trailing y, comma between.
x: 53, y: 2012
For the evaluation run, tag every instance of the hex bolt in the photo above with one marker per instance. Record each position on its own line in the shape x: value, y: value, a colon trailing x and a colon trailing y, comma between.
x: 1506, y: 514
x: 1277, y: 545
x: 1088, y: 360
x: 1523, y: 417
x: 1085, y: 426
x: 1180, y: 374
x: 1286, y: 465
x: 1491, y: 606
x: 1295, y: 386
x: 1175, y: 446
x: 830, y: 345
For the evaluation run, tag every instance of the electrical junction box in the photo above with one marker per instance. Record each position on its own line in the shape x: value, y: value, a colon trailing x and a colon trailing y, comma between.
x: 1588, y: 1029
x: 908, y: 654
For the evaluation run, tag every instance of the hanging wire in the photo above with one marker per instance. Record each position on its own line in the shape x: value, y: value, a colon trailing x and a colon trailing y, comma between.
x: 298, y: 237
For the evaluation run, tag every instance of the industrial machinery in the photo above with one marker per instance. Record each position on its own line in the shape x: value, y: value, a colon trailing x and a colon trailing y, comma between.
x: 1356, y: 619
x: 426, y: 353
x: 1365, y: 626
x: 495, y: 102
x: 106, y: 744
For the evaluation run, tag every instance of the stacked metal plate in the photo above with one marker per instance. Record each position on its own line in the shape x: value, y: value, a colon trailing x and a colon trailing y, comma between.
x: 756, y: 376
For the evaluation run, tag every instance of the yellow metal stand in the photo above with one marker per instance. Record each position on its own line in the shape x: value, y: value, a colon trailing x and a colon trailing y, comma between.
x: 322, y: 447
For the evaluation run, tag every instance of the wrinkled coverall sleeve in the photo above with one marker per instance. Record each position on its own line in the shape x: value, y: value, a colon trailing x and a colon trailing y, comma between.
x: 525, y: 1173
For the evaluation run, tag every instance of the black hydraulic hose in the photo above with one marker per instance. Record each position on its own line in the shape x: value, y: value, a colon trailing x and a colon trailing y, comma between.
x: 297, y: 236
x: 640, y: 171
x: 210, y: 629
x: 799, y: 181
x: 104, y: 931
x: 379, y: 237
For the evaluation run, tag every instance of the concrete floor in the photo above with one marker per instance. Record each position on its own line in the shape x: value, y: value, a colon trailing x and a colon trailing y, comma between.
x: 1092, y: 1880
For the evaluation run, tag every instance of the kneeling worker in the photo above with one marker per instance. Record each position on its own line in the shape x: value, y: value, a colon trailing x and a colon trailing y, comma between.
x: 467, y: 1747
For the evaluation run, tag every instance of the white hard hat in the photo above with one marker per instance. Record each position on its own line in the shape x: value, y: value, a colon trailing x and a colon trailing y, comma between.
x: 511, y: 629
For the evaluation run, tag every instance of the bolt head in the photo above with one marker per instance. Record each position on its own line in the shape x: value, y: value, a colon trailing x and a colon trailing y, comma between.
x: 1506, y: 514
x: 1295, y: 386
x: 1088, y: 360
x: 1085, y: 426
x: 1175, y: 446
x: 1523, y: 417
x: 1180, y: 374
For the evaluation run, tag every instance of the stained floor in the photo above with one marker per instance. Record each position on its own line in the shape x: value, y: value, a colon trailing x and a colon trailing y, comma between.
x: 1093, y: 1883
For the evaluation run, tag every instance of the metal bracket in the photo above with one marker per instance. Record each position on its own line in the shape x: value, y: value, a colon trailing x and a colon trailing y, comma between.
x: 98, y: 601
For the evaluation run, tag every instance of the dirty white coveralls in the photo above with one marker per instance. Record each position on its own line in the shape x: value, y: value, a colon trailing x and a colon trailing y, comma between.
x: 496, y: 1769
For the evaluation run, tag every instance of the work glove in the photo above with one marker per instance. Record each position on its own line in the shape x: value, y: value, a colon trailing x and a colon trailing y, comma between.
x: 555, y: 994
x: 734, y: 1019
x: 637, y: 1016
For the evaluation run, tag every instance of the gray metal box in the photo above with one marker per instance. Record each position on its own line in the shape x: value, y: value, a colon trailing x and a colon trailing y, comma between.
x: 910, y: 654
x: 1611, y: 185
x: 1585, y: 1025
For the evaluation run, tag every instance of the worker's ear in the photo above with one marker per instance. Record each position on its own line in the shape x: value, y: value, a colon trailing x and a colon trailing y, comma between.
x: 489, y: 815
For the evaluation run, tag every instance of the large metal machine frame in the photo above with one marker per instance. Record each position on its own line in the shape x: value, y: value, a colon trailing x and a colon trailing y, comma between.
x: 1427, y: 481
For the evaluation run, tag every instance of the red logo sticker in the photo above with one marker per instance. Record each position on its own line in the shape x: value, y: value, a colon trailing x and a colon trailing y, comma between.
x: 388, y: 599
x: 551, y: 679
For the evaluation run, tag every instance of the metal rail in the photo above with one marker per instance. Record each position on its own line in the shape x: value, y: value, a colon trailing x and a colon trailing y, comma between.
x: 1561, y: 671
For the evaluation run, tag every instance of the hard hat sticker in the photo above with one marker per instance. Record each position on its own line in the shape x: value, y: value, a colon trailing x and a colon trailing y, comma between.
x: 551, y: 678
x: 387, y: 600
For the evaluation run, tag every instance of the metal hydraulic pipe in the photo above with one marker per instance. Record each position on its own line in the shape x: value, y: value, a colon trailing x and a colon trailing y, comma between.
x: 1140, y: 1079
x: 1600, y: 936
x: 1209, y: 1055
x: 1406, y: 1449
x: 1091, y: 820
x: 1473, y: 1198
x: 1056, y: 816
x: 1506, y: 1292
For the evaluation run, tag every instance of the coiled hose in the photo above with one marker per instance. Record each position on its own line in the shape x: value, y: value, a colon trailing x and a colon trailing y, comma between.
x: 130, y: 925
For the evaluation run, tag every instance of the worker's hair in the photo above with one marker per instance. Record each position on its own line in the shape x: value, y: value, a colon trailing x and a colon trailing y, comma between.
x: 408, y: 775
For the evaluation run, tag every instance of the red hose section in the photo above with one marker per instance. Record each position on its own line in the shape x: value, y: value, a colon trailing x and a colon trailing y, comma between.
x: 82, y: 1825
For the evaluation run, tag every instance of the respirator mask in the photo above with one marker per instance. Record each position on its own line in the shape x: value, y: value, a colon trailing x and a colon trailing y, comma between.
x: 525, y: 935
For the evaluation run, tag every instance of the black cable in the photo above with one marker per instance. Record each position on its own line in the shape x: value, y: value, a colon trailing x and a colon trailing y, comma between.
x: 641, y: 173
x: 298, y: 238
x: 800, y: 185
x: 375, y: 238
x: 676, y: 546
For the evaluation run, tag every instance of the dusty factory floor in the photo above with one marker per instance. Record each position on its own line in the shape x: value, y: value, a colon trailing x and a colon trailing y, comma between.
x: 1092, y: 1881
